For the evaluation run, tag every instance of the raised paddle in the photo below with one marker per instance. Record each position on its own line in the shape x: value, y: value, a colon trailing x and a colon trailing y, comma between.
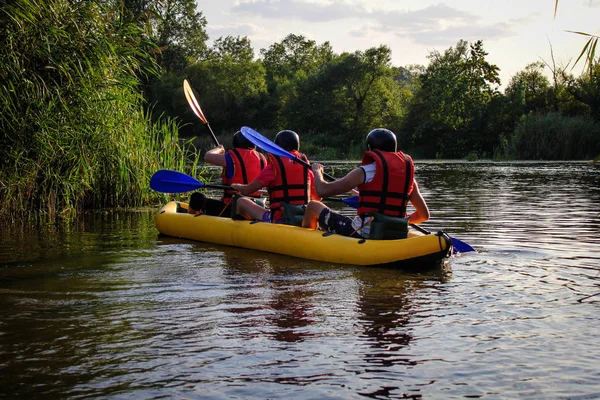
x: 189, y: 95
x: 270, y: 147
x: 166, y: 181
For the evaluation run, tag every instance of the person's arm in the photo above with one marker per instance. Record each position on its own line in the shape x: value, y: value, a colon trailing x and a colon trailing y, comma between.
x: 216, y: 156
x: 313, y: 190
x: 247, y: 189
x: 353, y: 179
x: 263, y: 179
x: 421, y: 213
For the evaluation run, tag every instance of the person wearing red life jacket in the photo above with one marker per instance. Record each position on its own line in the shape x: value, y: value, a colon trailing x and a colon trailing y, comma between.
x: 286, y: 180
x: 241, y: 164
x: 386, y: 185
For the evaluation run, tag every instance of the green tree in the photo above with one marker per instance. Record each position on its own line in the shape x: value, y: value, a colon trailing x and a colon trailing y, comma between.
x: 288, y: 65
x: 230, y: 84
x: 586, y: 91
x: 180, y: 32
x: 530, y: 89
x: 177, y: 29
x: 293, y: 54
x: 347, y: 97
x: 448, y: 111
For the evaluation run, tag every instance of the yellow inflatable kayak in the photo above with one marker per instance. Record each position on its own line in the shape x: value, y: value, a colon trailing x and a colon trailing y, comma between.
x: 417, y: 251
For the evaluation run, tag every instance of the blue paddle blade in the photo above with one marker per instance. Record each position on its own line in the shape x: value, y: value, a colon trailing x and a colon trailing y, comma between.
x: 166, y: 181
x: 460, y: 246
x: 351, y: 201
x: 270, y: 147
x: 265, y: 144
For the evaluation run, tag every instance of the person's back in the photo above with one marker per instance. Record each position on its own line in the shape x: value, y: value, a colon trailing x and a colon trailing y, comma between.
x: 385, y: 182
x: 292, y: 181
x: 388, y: 189
x: 287, y: 181
x: 241, y: 164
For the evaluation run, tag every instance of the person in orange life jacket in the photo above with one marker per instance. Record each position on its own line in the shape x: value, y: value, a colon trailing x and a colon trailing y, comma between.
x: 385, y: 182
x: 242, y: 164
x: 286, y: 180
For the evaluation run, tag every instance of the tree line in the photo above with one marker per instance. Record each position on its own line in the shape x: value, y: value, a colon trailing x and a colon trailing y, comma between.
x: 451, y: 108
x: 93, y: 104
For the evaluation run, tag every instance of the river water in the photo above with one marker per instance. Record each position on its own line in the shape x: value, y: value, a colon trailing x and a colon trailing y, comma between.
x: 106, y: 308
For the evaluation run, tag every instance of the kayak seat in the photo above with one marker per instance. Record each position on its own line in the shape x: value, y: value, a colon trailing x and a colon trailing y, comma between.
x: 384, y: 227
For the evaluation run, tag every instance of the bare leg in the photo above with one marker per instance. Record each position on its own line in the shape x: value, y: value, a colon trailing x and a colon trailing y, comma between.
x: 311, y: 216
x: 249, y: 209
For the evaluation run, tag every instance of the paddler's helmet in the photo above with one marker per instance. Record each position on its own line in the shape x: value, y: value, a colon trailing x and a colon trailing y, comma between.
x: 287, y: 139
x: 382, y: 139
x: 240, y: 141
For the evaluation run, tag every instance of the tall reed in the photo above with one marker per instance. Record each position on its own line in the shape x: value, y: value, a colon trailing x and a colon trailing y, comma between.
x: 73, y: 130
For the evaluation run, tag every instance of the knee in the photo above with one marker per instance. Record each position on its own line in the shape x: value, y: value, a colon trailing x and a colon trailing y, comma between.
x: 244, y: 203
x: 314, y: 207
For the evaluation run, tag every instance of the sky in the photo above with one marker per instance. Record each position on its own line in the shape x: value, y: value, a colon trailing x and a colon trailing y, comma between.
x: 514, y: 33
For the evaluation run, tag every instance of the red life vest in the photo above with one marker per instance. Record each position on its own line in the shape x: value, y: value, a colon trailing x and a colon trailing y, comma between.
x: 247, y: 164
x: 291, y: 184
x: 388, y: 191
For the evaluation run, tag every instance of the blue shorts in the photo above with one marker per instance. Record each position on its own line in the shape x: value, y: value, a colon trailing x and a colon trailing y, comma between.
x: 267, y: 218
x: 337, y: 223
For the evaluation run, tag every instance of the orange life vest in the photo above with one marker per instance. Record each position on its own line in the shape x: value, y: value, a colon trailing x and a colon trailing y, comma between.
x: 388, y: 191
x: 247, y: 164
x: 291, y: 184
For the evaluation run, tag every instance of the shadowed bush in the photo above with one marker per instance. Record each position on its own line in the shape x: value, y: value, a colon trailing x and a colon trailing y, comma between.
x: 555, y: 137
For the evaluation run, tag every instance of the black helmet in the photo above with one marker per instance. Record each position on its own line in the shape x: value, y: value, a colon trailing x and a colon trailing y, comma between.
x: 287, y: 139
x: 381, y: 139
x: 240, y: 141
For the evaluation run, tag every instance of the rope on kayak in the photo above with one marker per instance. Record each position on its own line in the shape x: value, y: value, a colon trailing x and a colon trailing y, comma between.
x: 443, y: 235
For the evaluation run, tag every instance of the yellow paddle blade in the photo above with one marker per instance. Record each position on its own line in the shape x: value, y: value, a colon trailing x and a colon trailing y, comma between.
x: 191, y: 99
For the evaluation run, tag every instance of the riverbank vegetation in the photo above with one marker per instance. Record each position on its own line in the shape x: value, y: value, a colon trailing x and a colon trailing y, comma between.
x: 75, y: 131
x: 93, y: 104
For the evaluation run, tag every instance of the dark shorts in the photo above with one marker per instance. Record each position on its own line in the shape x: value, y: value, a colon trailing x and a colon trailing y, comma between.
x: 337, y: 223
x: 217, y: 208
x: 199, y: 202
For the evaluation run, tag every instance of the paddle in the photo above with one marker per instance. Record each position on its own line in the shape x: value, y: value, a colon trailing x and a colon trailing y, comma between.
x: 166, y: 181
x: 189, y: 95
x: 260, y: 141
x: 270, y: 147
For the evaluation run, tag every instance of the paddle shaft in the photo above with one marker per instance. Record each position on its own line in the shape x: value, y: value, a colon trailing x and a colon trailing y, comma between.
x: 307, y: 165
x: 214, y: 138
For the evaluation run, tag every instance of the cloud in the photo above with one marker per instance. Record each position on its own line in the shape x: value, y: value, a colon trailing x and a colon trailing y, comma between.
x: 298, y: 9
x: 216, y: 31
x: 435, y: 25
x: 451, y: 35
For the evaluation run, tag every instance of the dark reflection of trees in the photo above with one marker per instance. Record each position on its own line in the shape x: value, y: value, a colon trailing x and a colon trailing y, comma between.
x: 386, y: 303
x: 283, y: 301
x: 292, y: 313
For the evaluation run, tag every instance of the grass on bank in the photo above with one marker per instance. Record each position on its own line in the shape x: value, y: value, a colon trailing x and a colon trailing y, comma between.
x: 73, y: 130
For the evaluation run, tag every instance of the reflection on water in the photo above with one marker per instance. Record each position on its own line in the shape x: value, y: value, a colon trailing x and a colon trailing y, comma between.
x: 106, y: 308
